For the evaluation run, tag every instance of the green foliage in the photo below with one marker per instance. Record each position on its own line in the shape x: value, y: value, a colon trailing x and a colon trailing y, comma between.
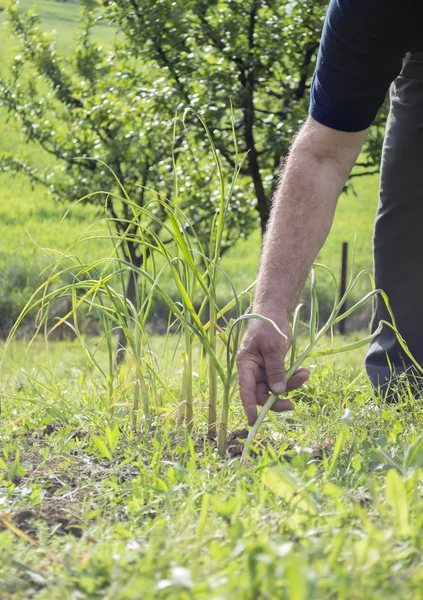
x: 107, y: 446
x: 261, y: 55
x: 316, y: 333
x: 100, y: 105
x: 116, y: 104
x: 396, y: 496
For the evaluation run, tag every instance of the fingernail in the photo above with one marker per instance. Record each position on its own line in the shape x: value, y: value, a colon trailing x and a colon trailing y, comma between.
x: 278, y: 388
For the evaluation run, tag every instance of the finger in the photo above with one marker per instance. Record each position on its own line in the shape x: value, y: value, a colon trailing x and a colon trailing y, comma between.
x: 262, y: 395
x: 275, y: 371
x: 261, y: 375
x: 247, y: 391
x: 297, y: 380
x: 283, y: 406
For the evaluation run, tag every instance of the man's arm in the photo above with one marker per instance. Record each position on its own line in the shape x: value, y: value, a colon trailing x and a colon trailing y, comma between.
x: 311, y: 182
x: 361, y: 50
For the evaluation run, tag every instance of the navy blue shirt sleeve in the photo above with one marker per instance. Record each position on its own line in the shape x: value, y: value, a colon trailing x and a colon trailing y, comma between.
x: 363, y: 43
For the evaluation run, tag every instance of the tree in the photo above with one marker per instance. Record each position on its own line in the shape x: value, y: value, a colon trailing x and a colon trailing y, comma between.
x: 104, y: 104
x: 245, y: 64
x: 259, y: 53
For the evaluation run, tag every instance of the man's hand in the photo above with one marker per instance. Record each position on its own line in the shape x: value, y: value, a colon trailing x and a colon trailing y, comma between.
x: 261, y: 365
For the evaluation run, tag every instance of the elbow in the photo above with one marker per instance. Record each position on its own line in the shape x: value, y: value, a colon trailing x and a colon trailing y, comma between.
x: 329, y: 148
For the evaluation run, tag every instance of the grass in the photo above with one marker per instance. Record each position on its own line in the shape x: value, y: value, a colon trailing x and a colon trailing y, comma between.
x: 165, y: 517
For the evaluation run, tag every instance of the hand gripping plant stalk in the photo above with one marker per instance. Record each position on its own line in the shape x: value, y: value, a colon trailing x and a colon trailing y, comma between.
x: 316, y: 335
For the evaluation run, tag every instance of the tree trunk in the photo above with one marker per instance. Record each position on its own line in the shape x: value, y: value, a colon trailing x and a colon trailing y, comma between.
x: 131, y: 295
x: 263, y: 202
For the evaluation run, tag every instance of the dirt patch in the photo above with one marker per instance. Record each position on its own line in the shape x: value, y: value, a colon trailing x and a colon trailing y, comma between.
x: 319, y: 450
x: 34, y: 436
x: 58, y: 519
x: 236, y: 442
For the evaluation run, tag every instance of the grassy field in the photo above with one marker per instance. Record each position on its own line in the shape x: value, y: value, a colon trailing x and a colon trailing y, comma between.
x: 330, y: 508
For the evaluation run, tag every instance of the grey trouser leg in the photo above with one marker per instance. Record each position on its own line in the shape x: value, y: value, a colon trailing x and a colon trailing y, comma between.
x: 398, y: 236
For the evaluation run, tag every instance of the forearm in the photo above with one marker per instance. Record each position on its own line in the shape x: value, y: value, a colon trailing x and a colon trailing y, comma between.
x: 302, y: 215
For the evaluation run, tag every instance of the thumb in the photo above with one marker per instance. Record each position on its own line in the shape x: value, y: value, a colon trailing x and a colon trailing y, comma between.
x: 274, y: 365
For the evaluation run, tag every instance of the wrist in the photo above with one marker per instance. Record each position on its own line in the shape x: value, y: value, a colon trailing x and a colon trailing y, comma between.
x: 274, y: 310
x: 272, y: 298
